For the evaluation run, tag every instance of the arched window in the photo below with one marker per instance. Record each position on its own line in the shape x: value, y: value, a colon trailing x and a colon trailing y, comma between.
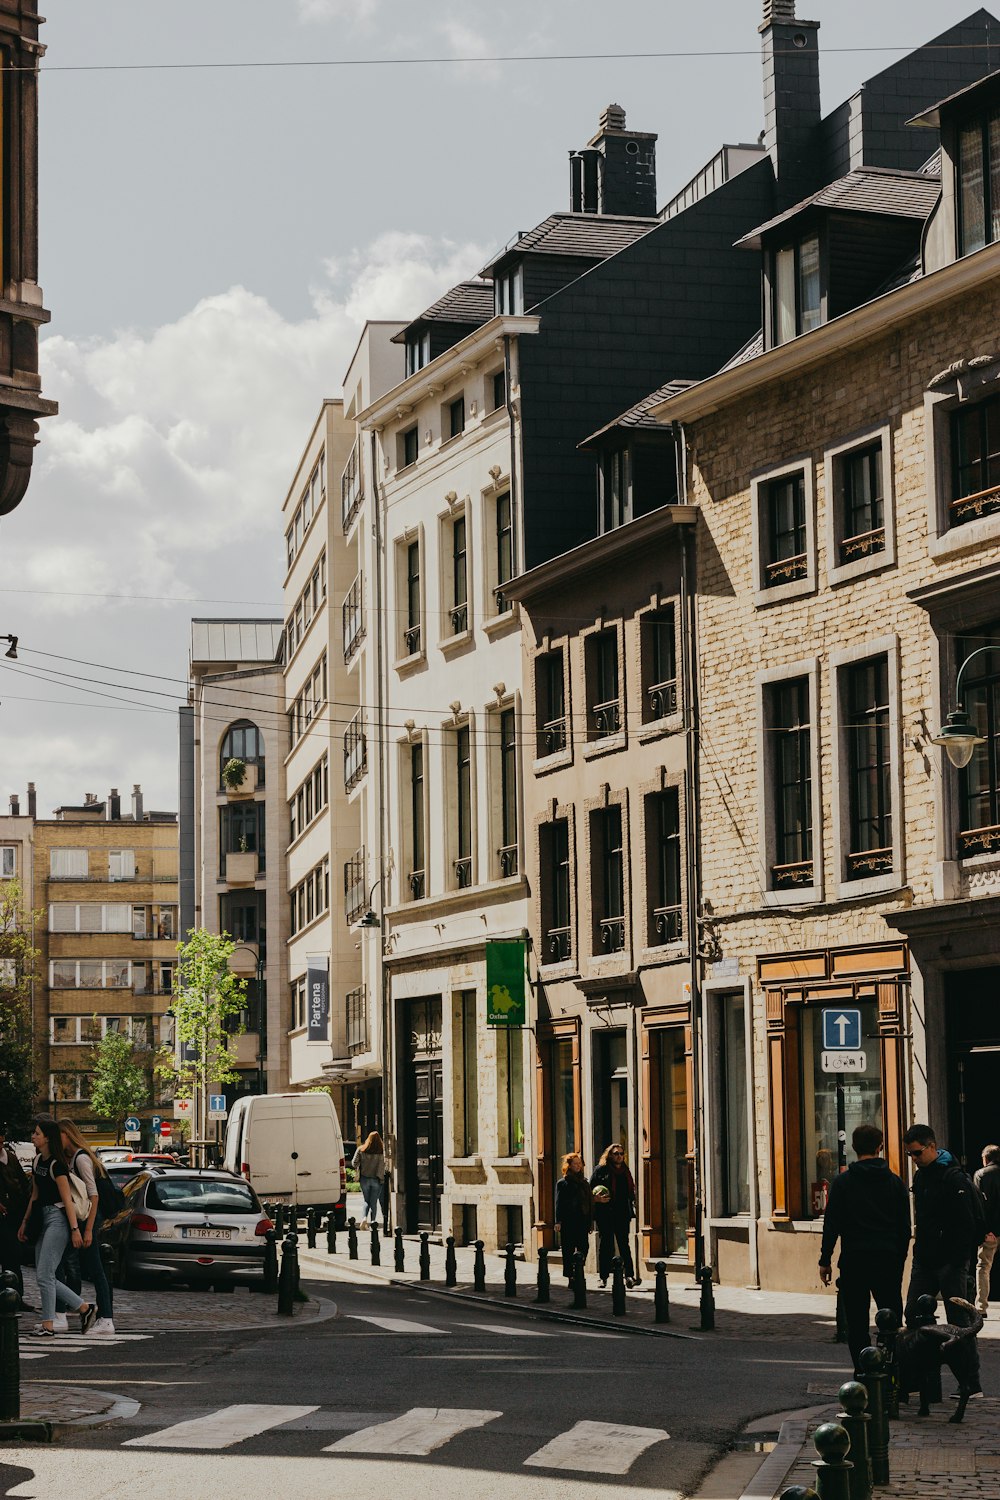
x: 243, y: 741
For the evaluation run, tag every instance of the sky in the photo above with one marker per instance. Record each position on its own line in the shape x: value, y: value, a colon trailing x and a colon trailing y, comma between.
x: 212, y: 239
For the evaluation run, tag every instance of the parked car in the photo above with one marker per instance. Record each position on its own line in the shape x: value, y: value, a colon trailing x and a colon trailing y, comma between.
x: 123, y: 1172
x: 155, y: 1158
x: 197, y: 1226
x: 289, y: 1147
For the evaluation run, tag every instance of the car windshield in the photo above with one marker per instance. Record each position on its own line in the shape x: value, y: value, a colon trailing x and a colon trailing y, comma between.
x: 193, y: 1195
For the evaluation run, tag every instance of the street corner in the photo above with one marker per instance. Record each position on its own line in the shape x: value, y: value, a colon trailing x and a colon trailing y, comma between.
x: 70, y: 1408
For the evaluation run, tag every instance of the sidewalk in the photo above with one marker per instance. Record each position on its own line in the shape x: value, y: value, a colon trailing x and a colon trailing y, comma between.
x: 69, y: 1407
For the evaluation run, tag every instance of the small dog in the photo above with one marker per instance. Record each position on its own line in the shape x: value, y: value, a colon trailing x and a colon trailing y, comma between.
x: 921, y: 1352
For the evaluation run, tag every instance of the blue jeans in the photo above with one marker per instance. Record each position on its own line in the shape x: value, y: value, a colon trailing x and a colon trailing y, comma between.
x: 371, y: 1192
x: 49, y: 1251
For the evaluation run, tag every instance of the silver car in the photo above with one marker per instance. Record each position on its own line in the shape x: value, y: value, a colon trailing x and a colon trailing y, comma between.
x: 196, y: 1226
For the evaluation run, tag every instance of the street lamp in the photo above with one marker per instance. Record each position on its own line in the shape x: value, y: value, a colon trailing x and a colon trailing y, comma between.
x: 11, y: 651
x: 370, y: 920
x: 258, y: 958
x: 957, y: 735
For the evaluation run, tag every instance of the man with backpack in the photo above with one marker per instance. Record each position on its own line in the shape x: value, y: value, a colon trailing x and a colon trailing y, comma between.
x: 949, y: 1226
x: 987, y: 1180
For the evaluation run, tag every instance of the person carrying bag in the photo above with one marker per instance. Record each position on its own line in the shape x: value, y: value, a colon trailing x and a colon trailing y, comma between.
x: 50, y: 1187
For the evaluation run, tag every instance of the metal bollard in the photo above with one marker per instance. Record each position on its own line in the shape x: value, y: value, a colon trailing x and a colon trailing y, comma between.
x: 510, y: 1273
x: 874, y: 1379
x: 579, y: 1282
x: 311, y: 1228
x: 855, y: 1421
x: 888, y: 1328
x: 279, y: 1220
x: 376, y: 1246
x: 706, y: 1304
x: 10, y: 1361
x: 331, y: 1233
x: 925, y: 1313
x: 617, y: 1288
x: 833, y: 1468
x: 542, y: 1292
x: 840, y: 1332
x: 479, y: 1269
x: 450, y: 1266
x: 661, y: 1296
x: 287, y: 1277
x: 425, y: 1256
x: 270, y: 1261
x: 399, y: 1252
x: 352, y: 1239
x: 799, y: 1492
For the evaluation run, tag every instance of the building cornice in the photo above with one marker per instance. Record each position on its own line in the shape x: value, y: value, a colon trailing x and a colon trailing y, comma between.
x: 601, y: 550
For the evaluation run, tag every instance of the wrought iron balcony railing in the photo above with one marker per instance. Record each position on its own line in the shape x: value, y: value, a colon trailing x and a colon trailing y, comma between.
x: 668, y: 923
x: 507, y: 857
x: 558, y: 944
x: 662, y: 699
x: 612, y: 934
x: 605, y: 718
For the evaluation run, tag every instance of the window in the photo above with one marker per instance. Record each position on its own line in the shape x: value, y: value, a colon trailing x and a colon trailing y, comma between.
x: 869, y: 768
x: 312, y: 495
x: 310, y: 799
x: 862, y: 1098
x: 243, y: 741
x: 463, y: 800
x: 979, y: 782
x: 307, y: 605
x: 550, y: 702
x: 498, y: 389
x: 310, y: 898
x: 416, y: 878
x: 796, y: 290
x: 787, y: 722
x: 243, y: 915
x: 663, y: 868
x: 68, y: 864
x: 608, y: 876
x: 8, y: 861
x: 411, y: 634
x: 505, y: 551
x: 459, y: 576
x: 355, y: 889
x: 860, y: 502
x: 456, y: 417
x: 555, y: 891
x: 8, y: 973
x: 418, y: 351
x: 307, y: 704
x: 351, y: 492
x: 241, y: 831
x: 357, y: 1020
x: 786, y: 558
x: 658, y: 645
x: 507, y: 853
x: 465, y: 1052
x: 615, y: 489
x: 509, y: 291
x: 67, y: 1088
x: 90, y: 916
x: 298, y: 1004
x: 409, y: 445
x: 668, y: 1111
x: 510, y: 1060
x: 355, y: 752
x: 979, y: 183
x: 90, y: 974
x: 604, y: 709
x: 975, y: 457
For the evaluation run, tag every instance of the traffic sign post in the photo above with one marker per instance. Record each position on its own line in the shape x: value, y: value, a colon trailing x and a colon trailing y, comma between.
x: 217, y: 1106
x: 841, y: 1030
x: 183, y: 1109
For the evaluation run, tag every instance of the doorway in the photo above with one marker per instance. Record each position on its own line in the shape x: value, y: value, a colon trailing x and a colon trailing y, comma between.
x: 424, y: 1094
x: 972, y: 1010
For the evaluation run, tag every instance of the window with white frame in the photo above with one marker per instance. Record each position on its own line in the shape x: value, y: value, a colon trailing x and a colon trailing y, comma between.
x: 784, y: 542
x: 868, y: 767
x: 8, y: 861
x: 788, y: 754
x: 462, y: 802
x: 413, y: 791
x: 69, y: 864
x: 90, y: 973
x: 311, y: 897
x: 551, y: 719
x: 508, y: 291
x: 860, y: 509
x: 506, y: 771
x: 796, y: 295
x: 410, y: 596
x: 312, y: 496
x: 604, y: 707
x: 298, y: 1003
x: 455, y: 570
x: 69, y: 1088
x: 90, y: 916
x: 121, y: 864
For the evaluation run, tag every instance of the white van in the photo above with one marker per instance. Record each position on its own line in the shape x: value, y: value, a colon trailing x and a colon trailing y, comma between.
x: 289, y: 1147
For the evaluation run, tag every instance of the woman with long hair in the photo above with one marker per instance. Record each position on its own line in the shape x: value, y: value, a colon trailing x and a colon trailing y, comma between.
x: 614, y: 1209
x: 574, y: 1211
x: 90, y: 1169
x: 50, y: 1189
x: 369, y: 1159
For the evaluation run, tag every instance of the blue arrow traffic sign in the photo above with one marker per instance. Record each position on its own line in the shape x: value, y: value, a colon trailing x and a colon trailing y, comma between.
x: 217, y: 1104
x: 132, y: 1122
x: 841, y: 1030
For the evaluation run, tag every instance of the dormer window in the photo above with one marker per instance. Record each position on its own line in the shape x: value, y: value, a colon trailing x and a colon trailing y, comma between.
x: 796, y: 291
x: 509, y: 291
x: 418, y: 352
x: 616, y: 497
x: 979, y: 183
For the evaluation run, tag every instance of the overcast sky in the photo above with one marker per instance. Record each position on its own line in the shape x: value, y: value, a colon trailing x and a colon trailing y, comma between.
x: 212, y: 241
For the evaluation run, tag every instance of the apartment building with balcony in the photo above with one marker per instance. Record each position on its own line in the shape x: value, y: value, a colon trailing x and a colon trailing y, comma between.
x: 106, y: 881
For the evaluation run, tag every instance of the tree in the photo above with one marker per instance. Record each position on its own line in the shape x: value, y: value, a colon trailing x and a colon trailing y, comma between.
x: 18, y: 958
x: 208, y: 1004
x: 120, y: 1084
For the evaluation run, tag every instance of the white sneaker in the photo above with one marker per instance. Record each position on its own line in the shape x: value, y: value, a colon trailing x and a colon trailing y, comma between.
x: 103, y: 1325
x: 59, y: 1323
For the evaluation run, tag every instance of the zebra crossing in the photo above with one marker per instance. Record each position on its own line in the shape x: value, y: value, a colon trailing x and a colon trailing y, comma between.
x: 610, y: 1448
x: 30, y: 1348
x: 414, y: 1327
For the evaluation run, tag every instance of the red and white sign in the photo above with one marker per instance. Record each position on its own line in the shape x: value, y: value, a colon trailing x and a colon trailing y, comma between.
x: 183, y: 1109
x: 166, y: 1130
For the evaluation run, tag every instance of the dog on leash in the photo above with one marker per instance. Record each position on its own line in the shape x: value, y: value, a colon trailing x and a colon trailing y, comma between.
x: 923, y: 1350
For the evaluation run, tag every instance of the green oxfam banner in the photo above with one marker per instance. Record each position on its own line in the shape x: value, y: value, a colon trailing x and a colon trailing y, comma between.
x: 505, y: 984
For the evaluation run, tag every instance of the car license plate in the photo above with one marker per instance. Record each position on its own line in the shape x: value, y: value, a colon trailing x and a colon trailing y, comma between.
x: 199, y: 1233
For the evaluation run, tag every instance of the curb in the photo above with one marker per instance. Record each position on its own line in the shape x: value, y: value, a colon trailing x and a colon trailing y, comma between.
x: 767, y: 1482
x: 327, y: 1310
x: 120, y: 1408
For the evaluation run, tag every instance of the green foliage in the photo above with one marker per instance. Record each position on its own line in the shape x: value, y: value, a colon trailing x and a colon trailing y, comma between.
x: 18, y: 959
x: 234, y: 772
x: 119, y: 1084
x: 208, y: 1000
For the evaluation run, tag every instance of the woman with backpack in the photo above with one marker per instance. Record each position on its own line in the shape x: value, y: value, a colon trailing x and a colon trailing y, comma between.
x: 95, y: 1179
x: 369, y: 1159
x: 53, y: 1190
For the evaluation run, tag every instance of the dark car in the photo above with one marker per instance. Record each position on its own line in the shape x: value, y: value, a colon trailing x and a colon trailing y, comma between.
x: 188, y: 1225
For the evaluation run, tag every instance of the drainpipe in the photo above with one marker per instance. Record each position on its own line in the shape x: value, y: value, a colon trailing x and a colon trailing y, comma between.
x: 388, y: 1135
x: 514, y: 510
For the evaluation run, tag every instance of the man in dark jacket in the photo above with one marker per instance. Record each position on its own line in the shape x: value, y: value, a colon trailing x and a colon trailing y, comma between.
x: 15, y: 1190
x: 987, y: 1180
x: 868, y: 1210
x: 944, y: 1225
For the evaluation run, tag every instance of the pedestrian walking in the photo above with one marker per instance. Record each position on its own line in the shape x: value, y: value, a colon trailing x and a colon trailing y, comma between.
x: 944, y: 1230
x: 90, y: 1169
x: 574, y: 1211
x: 369, y: 1159
x: 613, y: 1192
x: 868, y: 1211
x: 987, y: 1180
x: 15, y: 1190
x: 51, y: 1189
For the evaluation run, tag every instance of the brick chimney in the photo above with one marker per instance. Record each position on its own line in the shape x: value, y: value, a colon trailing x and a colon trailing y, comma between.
x: 136, y: 802
x: 15, y: 805
x: 32, y: 800
x: 615, y: 173
x: 113, y: 807
x: 790, y: 50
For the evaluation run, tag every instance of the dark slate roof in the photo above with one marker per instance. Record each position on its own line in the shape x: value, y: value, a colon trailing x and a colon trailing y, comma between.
x: 932, y: 116
x: 867, y: 190
x: 751, y: 349
x: 639, y: 415
x: 470, y: 302
x: 590, y: 236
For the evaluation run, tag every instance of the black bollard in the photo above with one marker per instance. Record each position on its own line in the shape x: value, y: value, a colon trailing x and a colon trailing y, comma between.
x: 661, y: 1296
x: 279, y: 1220
x: 833, y: 1468
x: 376, y: 1246
x: 286, y: 1277
x: 542, y: 1292
x: 425, y: 1256
x: 840, y: 1332
x: 10, y: 1361
x: 617, y: 1288
x: 799, y: 1492
x: 510, y: 1273
x: 270, y: 1261
x: 450, y: 1266
x: 925, y: 1313
x: 331, y: 1233
x: 352, y: 1239
x: 579, y: 1282
x: 874, y: 1379
x: 888, y: 1328
x: 855, y: 1421
x: 400, y: 1257
x: 296, y: 1275
x: 706, y: 1304
x: 479, y: 1269
x: 311, y: 1228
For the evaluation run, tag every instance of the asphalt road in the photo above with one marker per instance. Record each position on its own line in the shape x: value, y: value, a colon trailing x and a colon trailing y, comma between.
x: 406, y: 1394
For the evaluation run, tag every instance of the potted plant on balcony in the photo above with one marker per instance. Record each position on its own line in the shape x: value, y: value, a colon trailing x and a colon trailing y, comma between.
x: 234, y: 773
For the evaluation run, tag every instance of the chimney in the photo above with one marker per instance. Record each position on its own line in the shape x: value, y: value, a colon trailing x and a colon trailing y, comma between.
x: 15, y: 805
x: 113, y: 807
x: 615, y: 173
x: 791, y: 100
x: 32, y: 800
x: 137, y: 803
x: 89, y: 799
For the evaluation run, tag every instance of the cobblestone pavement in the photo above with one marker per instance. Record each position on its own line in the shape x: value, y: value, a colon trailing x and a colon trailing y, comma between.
x: 71, y: 1406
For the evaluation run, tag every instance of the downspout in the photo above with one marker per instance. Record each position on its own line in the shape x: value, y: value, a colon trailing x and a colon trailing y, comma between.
x: 512, y: 418
x: 388, y: 1135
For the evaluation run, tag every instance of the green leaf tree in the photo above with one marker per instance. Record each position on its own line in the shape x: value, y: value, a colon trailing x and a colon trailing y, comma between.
x: 208, y: 1006
x: 18, y: 972
x: 120, y: 1084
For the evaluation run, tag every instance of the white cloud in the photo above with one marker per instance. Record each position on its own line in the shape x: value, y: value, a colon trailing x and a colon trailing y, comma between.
x: 357, y: 11
x: 464, y: 41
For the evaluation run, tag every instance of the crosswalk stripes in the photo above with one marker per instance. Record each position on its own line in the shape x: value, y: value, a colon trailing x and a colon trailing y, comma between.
x: 597, y: 1448
x: 221, y: 1429
x: 504, y: 1330
x: 507, y: 1331
x: 396, y: 1325
x: 416, y: 1433
x: 31, y: 1348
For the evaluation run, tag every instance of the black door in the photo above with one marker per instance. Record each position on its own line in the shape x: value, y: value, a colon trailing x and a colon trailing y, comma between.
x: 973, y: 1012
x: 424, y: 1155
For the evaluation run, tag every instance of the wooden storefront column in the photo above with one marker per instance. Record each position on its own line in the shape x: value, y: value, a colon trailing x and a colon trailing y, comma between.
x: 546, y: 1166
x: 652, y: 1227
x: 890, y: 1025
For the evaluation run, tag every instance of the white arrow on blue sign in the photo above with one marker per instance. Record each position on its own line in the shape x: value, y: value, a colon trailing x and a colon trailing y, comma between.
x: 132, y: 1122
x: 217, y: 1104
x: 841, y: 1030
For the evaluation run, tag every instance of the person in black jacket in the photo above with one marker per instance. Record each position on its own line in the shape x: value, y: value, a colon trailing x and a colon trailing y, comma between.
x: 944, y: 1239
x: 987, y: 1180
x: 868, y: 1210
x: 574, y: 1211
x: 614, y: 1209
